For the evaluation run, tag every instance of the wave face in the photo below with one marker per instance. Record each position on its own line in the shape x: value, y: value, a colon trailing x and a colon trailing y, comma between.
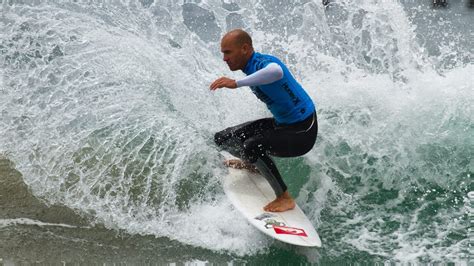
x: 105, y: 108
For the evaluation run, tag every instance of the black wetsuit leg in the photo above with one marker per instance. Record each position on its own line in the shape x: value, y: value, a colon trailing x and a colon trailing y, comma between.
x: 256, y: 141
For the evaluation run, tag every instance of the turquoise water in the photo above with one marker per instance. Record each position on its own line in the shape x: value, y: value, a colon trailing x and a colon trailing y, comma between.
x: 105, y: 110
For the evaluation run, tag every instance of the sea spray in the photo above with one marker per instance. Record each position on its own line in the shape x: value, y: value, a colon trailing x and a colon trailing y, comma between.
x: 106, y: 109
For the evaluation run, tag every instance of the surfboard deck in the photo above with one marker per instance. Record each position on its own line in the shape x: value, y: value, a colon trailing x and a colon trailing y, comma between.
x: 250, y: 192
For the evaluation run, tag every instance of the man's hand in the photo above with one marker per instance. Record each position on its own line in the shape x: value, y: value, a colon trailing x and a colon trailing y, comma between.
x: 223, y: 82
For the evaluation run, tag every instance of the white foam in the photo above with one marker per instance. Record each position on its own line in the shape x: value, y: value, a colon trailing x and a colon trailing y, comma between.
x: 214, y: 225
x: 28, y: 221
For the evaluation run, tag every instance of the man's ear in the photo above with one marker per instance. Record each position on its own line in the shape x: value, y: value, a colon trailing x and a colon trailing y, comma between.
x: 246, y: 48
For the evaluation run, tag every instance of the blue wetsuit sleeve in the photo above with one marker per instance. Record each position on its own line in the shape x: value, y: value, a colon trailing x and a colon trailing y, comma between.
x: 269, y: 74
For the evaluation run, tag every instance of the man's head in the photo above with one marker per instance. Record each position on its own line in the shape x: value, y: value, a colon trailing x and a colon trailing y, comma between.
x: 236, y: 45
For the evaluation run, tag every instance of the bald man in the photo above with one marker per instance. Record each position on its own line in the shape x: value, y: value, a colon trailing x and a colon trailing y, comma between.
x: 290, y: 132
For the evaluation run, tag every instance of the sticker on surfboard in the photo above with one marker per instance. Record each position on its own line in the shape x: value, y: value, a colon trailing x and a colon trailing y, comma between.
x: 264, y: 216
x: 279, y: 227
x: 269, y: 220
x: 289, y: 230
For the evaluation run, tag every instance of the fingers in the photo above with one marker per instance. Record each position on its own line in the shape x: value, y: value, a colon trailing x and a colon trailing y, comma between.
x: 223, y: 82
x: 218, y: 83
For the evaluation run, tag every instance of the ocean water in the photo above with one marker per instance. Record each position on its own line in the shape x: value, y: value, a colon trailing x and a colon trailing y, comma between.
x: 107, y: 123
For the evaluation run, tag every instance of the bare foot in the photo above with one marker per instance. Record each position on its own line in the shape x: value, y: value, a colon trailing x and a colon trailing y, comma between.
x: 280, y: 204
x: 239, y: 164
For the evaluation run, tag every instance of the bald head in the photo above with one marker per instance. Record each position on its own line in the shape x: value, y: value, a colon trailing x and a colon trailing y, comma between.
x: 239, y: 37
x: 236, y: 45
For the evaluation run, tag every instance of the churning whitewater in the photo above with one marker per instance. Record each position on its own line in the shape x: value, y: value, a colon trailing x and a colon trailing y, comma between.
x: 105, y: 109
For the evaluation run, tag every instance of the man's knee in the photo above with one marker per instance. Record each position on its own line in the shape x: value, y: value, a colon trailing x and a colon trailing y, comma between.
x: 221, y: 136
x: 253, y: 149
x: 218, y: 138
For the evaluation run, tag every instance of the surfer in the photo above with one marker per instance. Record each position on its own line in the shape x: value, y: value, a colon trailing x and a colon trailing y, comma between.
x: 290, y: 132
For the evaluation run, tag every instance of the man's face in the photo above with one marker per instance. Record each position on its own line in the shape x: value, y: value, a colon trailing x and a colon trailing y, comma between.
x: 234, y: 54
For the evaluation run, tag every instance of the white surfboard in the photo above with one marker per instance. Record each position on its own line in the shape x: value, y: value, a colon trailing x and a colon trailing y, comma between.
x: 250, y: 192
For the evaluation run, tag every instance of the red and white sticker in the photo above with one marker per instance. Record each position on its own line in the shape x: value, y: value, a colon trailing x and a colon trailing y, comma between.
x: 289, y: 230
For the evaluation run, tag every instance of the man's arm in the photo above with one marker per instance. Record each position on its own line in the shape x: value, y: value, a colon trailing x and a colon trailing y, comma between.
x: 269, y: 74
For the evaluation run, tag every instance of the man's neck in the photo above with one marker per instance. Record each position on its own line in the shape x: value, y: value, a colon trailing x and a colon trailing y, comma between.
x: 247, y: 60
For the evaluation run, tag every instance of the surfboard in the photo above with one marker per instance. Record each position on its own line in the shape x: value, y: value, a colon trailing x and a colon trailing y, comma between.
x: 250, y: 192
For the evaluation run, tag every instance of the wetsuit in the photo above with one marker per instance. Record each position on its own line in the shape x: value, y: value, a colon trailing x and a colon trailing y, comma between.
x: 291, y: 132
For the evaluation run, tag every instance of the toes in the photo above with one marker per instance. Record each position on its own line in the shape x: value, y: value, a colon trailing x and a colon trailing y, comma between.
x: 233, y: 164
x: 268, y: 208
x: 274, y: 209
x: 229, y: 163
